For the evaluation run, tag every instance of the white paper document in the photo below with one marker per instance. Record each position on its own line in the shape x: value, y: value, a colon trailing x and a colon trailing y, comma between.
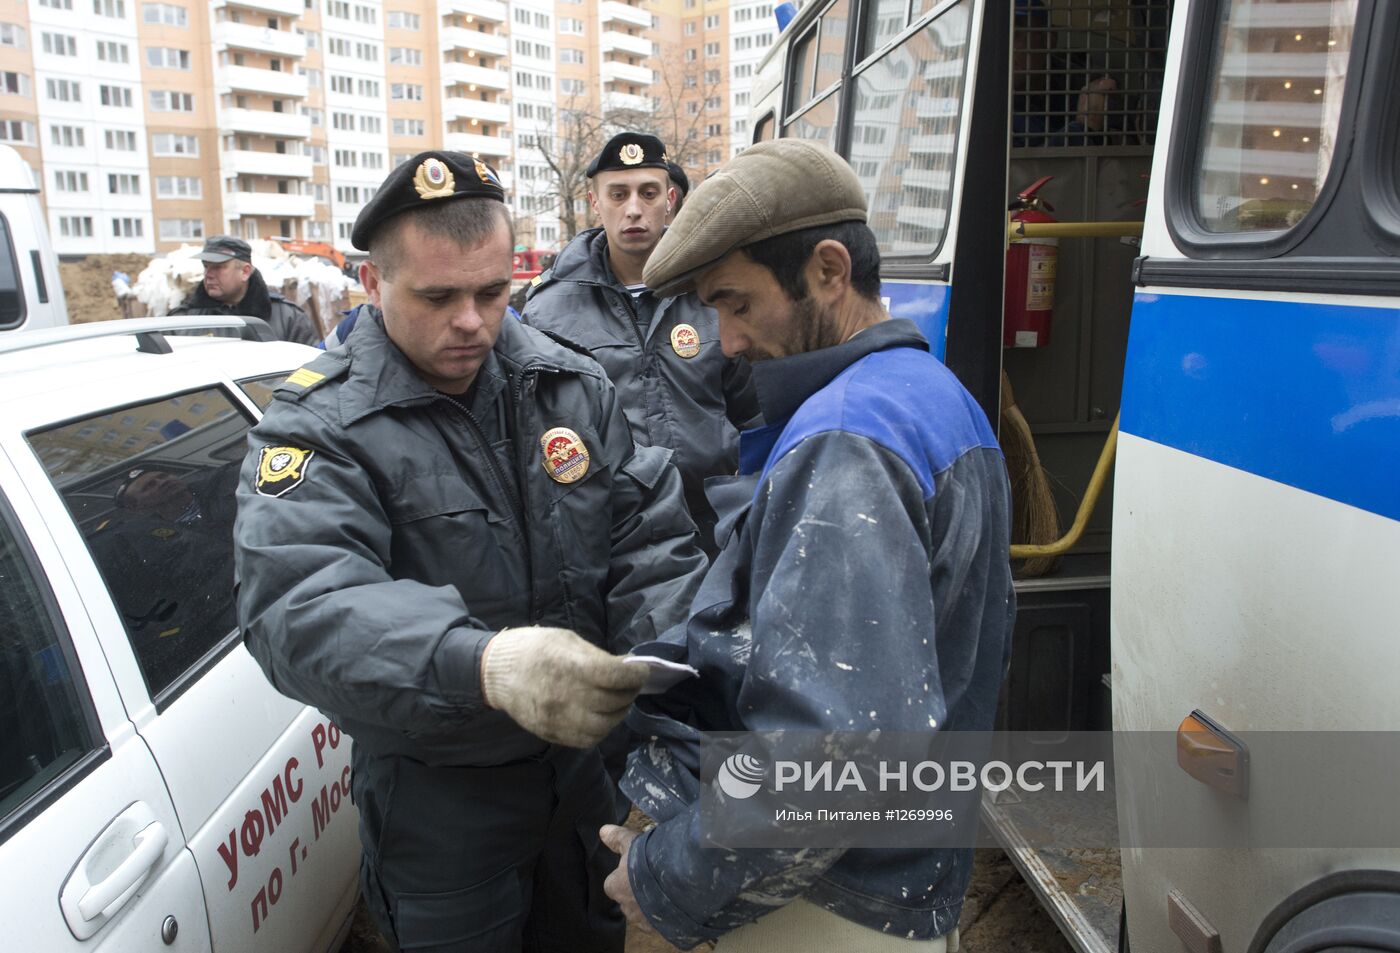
x: 664, y: 673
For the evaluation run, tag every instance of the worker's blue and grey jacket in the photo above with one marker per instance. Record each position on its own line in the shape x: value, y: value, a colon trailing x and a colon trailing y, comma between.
x: 863, y: 583
x: 400, y: 529
x: 694, y: 404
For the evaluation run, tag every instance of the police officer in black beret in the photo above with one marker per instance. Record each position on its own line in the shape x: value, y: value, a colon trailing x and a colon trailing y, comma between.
x: 446, y: 536
x: 663, y: 355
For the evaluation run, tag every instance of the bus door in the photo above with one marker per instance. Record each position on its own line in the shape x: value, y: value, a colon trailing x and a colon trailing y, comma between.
x: 890, y: 86
x: 1257, y: 509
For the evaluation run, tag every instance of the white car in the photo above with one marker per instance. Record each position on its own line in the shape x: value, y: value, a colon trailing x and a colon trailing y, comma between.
x: 155, y: 791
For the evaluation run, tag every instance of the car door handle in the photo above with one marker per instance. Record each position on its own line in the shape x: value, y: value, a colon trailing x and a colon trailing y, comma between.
x: 147, y: 847
x: 112, y: 868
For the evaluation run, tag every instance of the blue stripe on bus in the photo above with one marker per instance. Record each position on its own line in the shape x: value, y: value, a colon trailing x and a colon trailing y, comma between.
x: 924, y: 304
x: 1303, y: 394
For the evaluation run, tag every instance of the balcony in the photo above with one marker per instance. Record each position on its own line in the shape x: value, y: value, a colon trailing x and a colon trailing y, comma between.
x: 613, y: 11
x: 488, y: 10
x: 466, y: 107
x: 287, y: 8
x: 487, y: 147
x: 940, y: 179
x: 256, y: 80
x: 461, y: 38
x: 613, y: 72
x: 474, y: 76
x: 270, y: 204
x: 277, y: 164
x: 613, y: 102
x: 265, y: 123
x: 245, y: 36
x: 614, y: 42
x: 945, y: 144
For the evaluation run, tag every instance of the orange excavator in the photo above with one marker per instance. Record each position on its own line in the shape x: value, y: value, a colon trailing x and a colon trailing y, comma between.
x: 311, y: 249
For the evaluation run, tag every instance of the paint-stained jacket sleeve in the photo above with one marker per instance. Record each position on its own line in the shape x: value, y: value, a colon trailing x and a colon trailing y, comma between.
x: 841, y: 607
x: 318, y: 608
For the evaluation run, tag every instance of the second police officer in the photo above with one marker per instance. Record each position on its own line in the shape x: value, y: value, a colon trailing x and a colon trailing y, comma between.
x: 663, y: 355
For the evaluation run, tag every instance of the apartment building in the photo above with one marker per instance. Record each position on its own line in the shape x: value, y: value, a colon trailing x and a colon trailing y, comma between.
x: 152, y: 123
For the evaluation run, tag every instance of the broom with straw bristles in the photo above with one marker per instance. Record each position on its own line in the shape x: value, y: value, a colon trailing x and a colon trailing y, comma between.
x: 1035, y: 518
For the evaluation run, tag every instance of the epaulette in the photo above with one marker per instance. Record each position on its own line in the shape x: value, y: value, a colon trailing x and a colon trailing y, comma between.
x: 308, y: 377
x: 538, y: 282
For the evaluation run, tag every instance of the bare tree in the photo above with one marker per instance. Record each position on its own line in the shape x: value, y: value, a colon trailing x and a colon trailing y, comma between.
x: 568, y: 146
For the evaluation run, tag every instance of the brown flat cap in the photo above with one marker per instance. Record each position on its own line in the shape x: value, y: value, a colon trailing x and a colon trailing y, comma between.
x: 771, y: 188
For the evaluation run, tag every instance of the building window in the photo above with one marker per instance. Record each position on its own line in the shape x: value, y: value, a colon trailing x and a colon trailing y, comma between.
x: 315, y: 114
x: 126, y: 228
x: 109, y: 51
x: 367, y: 87
x: 372, y: 124
x: 347, y: 194
x: 402, y: 20
x: 367, y: 52
x: 712, y: 21
x: 405, y: 56
x: 64, y: 90
x: 568, y: 55
x: 69, y: 181
x: 522, y: 16
x: 372, y: 160
x: 319, y: 191
x: 338, y: 46
x: 169, y: 100
x: 346, y: 158
x: 572, y: 87
x: 406, y: 91
x: 179, y: 187
x: 57, y: 4
x: 109, y: 8
x: 118, y: 97
x: 409, y: 127
x: 12, y: 35
x: 60, y: 44
x: 120, y: 140
x: 166, y: 14
x: 169, y: 144
x: 743, y: 70
x: 713, y: 129
x: 164, y: 57
x: 313, y: 77
x: 180, y: 229
x: 123, y: 184
x: 313, y: 39
x: 343, y: 121
x: 689, y: 29
x: 16, y: 130
x: 571, y: 25
x: 342, y: 84
x: 68, y: 137
x: 542, y: 21
x: 75, y: 226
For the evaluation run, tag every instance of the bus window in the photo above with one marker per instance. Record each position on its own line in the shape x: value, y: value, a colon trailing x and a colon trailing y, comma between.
x: 904, y: 135
x: 12, y: 308
x: 799, y: 86
x: 817, y: 123
x: 831, y: 51
x: 884, y: 20
x: 763, y: 129
x: 1270, y: 126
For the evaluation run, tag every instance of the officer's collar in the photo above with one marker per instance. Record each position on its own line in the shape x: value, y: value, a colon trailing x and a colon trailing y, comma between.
x: 785, y: 383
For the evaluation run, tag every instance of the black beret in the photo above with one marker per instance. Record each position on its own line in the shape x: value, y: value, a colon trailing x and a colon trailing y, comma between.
x: 427, y: 177
x: 630, y: 150
x: 679, y: 177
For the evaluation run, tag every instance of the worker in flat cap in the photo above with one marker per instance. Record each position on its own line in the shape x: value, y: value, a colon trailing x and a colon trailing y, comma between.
x: 864, y: 582
x: 232, y: 285
x: 677, y: 388
x: 446, y: 537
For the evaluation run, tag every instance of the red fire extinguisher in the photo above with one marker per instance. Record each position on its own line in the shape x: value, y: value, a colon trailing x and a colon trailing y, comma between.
x: 1030, y: 274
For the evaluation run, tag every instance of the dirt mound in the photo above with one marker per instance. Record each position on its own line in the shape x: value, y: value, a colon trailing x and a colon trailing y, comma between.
x: 87, y: 284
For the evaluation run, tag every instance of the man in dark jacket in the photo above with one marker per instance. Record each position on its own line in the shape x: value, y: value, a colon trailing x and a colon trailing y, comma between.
x: 864, y: 580
x: 444, y: 532
x: 676, y: 386
x: 232, y: 285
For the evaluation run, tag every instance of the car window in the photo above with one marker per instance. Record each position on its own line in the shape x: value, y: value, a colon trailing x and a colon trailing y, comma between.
x: 151, y: 488
x: 43, y: 730
x: 260, y: 388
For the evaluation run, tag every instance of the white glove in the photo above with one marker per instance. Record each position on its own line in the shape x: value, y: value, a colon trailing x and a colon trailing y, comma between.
x: 556, y: 685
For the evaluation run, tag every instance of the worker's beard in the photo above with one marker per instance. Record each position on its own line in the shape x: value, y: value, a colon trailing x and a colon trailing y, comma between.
x: 804, y: 328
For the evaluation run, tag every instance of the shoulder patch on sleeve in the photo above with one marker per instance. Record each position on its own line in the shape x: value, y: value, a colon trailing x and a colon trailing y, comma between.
x: 281, y: 469
x: 308, y: 377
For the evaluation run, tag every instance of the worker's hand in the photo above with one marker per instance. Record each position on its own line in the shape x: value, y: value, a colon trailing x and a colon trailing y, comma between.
x: 618, y: 886
x: 557, y: 686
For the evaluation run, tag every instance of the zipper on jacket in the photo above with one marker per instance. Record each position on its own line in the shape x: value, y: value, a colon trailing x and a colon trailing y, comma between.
x: 521, y: 424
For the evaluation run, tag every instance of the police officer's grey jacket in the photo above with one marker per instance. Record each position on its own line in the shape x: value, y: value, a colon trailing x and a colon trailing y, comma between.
x: 384, y: 535
x: 288, y: 321
x: 693, y: 404
x: 864, y: 583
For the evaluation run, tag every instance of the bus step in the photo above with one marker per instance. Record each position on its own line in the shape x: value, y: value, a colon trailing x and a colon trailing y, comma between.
x: 1081, y: 888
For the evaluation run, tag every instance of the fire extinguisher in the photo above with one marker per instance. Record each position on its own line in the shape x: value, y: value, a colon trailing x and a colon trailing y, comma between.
x: 1030, y: 274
